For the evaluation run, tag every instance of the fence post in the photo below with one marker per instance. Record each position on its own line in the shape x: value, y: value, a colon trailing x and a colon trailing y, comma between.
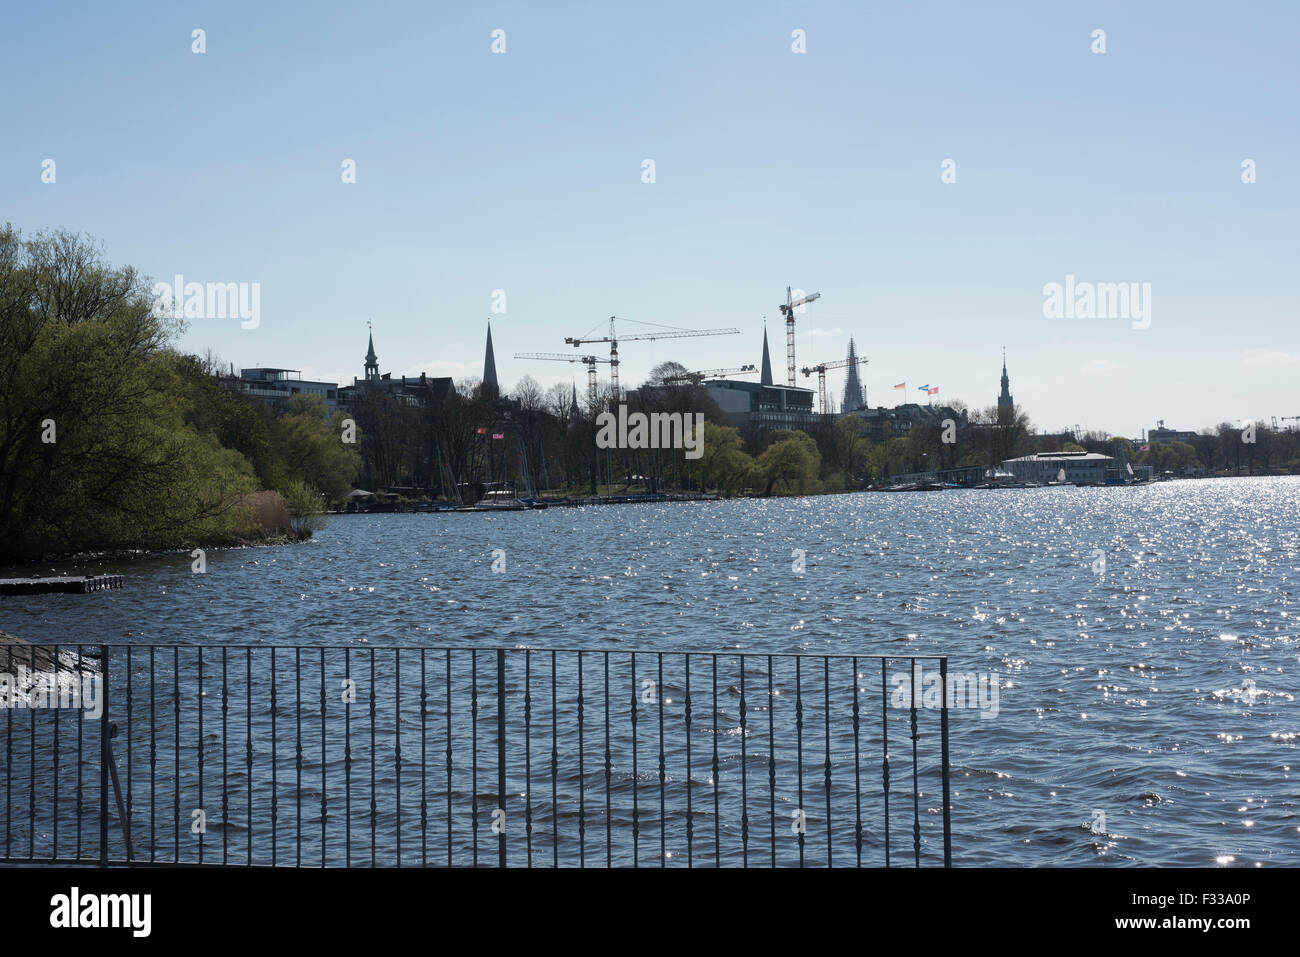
x: 943, y: 734
x: 501, y: 754
x: 104, y: 757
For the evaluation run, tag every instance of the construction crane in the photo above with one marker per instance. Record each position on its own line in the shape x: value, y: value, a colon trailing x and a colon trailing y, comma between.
x: 698, y: 377
x: 613, y: 340
x: 821, y: 368
x: 1291, y: 418
x: 788, y: 307
x: 589, y: 361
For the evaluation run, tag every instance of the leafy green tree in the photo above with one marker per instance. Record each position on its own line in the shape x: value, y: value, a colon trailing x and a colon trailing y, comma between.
x: 791, y: 463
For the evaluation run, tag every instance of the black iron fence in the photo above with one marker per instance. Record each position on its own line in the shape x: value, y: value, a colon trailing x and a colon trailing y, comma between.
x: 310, y: 756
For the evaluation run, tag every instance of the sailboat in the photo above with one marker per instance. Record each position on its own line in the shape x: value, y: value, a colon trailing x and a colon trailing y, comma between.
x: 1060, y: 479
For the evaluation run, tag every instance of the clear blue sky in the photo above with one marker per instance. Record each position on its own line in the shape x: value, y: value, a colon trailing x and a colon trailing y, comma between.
x: 522, y: 172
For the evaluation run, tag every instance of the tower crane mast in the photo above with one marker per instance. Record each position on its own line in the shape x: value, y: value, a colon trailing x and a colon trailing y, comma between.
x: 788, y: 307
x: 821, y: 368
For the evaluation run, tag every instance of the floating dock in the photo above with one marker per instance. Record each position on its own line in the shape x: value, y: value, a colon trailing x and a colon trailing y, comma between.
x: 61, y: 584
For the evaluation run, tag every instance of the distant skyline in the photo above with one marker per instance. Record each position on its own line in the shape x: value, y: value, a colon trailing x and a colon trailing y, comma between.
x: 523, y: 171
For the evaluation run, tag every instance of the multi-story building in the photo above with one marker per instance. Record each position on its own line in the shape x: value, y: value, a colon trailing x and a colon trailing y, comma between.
x: 280, y: 385
x: 406, y: 390
x: 763, y: 404
x: 1043, y: 467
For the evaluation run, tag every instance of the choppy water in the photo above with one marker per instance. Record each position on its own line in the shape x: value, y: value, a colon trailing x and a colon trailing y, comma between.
x: 1147, y: 708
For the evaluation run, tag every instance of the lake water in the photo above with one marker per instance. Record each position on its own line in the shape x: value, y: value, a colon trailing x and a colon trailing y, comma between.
x: 1144, y: 640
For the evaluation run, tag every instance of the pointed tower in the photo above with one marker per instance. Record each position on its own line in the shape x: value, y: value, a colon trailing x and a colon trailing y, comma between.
x: 766, y: 378
x: 372, y: 360
x: 853, y: 398
x: 573, y: 405
x: 489, y: 361
x: 1005, y: 402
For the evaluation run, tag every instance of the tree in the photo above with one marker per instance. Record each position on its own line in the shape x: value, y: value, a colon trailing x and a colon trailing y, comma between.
x: 95, y: 449
x: 791, y: 463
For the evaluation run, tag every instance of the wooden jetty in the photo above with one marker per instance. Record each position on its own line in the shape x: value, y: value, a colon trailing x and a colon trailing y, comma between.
x: 60, y: 584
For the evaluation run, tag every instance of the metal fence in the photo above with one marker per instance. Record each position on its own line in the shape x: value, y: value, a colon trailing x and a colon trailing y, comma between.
x: 311, y: 756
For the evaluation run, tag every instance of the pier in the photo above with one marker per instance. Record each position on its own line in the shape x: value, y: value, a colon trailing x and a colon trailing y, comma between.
x: 62, y: 584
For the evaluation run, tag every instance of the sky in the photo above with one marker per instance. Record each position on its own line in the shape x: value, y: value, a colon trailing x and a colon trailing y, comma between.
x: 524, y: 171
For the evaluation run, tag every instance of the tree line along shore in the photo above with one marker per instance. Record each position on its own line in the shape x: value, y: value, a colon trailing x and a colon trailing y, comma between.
x: 113, y: 439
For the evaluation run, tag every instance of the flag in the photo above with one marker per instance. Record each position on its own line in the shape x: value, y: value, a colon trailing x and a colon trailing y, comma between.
x: 901, y: 385
x: 498, y: 435
x: 934, y: 391
x: 923, y: 388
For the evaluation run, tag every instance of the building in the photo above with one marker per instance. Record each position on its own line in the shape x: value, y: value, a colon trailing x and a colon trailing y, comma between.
x: 411, y: 391
x: 1086, y: 467
x: 1161, y: 434
x: 885, y: 423
x: 278, y: 386
x: 1006, y: 403
x: 854, y: 396
x: 763, y: 404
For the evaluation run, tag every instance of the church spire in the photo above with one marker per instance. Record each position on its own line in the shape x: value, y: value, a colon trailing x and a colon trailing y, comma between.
x: 1004, y: 397
x: 489, y: 362
x: 766, y: 378
x: 853, y: 397
x: 372, y: 360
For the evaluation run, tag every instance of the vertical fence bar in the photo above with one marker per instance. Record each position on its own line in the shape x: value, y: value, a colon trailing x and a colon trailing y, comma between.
x: 297, y: 755
x: 324, y: 791
x: 374, y: 804
x: 54, y: 850
x: 916, y: 794
x: 225, y: 763
x: 555, y: 769
x: 449, y: 831
x: 176, y: 755
x: 771, y: 757
x: 275, y: 773
x: 31, y: 776
x: 528, y: 753
x: 347, y: 748
x: 636, y: 823
x: 609, y: 768
x: 424, y: 765
x: 153, y: 760
x: 943, y: 734
x: 103, y: 754
x: 717, y: 817
x: 663, y: 776
x: 397, y: 750
x: 501, y: 754
x: 884, y: 753
x: 826, y: 705
x: 130, y: 701
x: 744, y: 769
x: 202, y: 803
x: 81, y: 671
x: 857, y: 768
x: 798, y: 723
x: 473, y: 748
x: 248, y: 745
x: 9, y: 763
x: 690, y: 816
x: 582, y: 775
